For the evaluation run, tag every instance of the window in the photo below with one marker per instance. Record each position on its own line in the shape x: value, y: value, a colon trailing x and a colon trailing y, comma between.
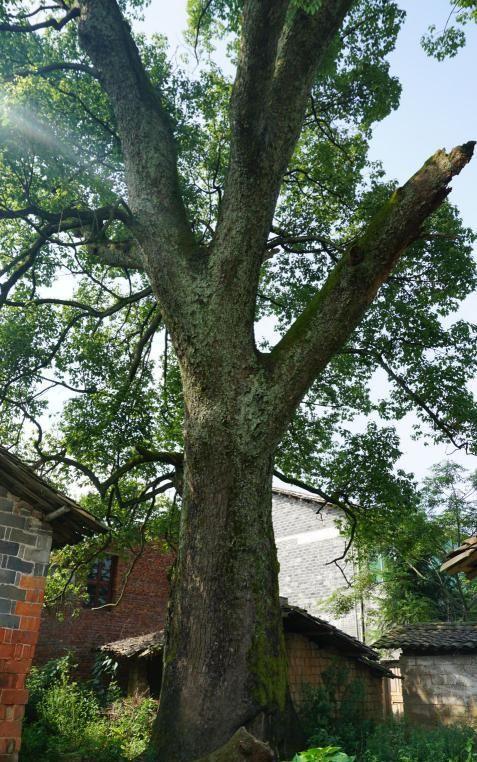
x: 100, y: 582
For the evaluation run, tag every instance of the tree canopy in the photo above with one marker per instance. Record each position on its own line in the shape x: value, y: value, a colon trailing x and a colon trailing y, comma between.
x: 84, y: 348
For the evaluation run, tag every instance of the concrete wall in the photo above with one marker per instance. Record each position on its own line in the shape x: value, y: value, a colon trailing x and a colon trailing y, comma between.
x: 24, y: 553
x: 307, y: 662
x: 440, y: 687
x: 306, y: 542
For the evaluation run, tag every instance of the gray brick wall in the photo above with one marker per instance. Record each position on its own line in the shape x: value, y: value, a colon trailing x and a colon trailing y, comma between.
x: 25, y: 542
x: 306, y: 541
x: 440, y: 687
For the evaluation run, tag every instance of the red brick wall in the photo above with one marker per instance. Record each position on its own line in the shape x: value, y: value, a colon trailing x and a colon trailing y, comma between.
x: 24, y: 553
x: 307, y: 662
x: 16, y: 650
x: 142, y: 609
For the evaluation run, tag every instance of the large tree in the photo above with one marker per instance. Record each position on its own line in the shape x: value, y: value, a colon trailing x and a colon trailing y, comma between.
x: 197, y: 205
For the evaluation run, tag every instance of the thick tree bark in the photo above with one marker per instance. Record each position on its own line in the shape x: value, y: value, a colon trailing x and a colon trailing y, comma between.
x: 225, y: 663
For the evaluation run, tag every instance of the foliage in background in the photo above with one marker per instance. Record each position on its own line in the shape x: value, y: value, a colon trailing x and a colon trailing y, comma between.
x: 447, y: 41
x: 68, y: 717
x: 324, y: 754
x: 333, y: 715
x: 399, y: 741
x: 404, y: 583
x: 64, y: 716
x: 333, y: 712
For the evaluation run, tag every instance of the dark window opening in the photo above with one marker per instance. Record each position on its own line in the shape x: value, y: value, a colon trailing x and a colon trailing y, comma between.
x: 100, y: 582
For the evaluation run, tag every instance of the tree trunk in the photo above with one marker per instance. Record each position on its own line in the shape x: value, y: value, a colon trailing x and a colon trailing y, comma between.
x: 225, y: 664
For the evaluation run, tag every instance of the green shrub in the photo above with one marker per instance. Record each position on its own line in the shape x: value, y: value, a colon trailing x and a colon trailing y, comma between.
x: 324, y: 754
x: 332, y: 713
x: 399, y: 741
x: 67, y: 717
x: 130, y: 724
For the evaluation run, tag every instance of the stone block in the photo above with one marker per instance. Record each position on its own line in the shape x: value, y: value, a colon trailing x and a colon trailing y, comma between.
x: 242, y: 747
x: 5, y: 605
x: 9, y: 548
x: 7, y: 576
x: 10, y: 621
x: 37, y: 555
x: 12, y: 592
x: 12, y: 520
x: 16, y: 564
x: 43, y: 540
x: 23, y: 537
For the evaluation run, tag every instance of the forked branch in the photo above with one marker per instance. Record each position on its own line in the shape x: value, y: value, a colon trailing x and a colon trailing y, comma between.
x: 334, y: 312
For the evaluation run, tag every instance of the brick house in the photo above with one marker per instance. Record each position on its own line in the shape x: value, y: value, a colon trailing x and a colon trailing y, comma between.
x: 438, y: 664
x: 142, y: 608
x: 307, y: 539
x: 33, y: 518
x: 316, y: 650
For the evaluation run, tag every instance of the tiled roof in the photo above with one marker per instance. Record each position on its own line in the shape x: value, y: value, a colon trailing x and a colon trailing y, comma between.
x: 463, y: 559
x: 141, y: 645
x: 325, y: 634
x: 306, y: 496
x: 294, y: 620
x: 70, y: 522
x: 431, y: 637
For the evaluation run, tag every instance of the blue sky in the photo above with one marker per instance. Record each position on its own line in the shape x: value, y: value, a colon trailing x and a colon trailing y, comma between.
x: 438, y: 110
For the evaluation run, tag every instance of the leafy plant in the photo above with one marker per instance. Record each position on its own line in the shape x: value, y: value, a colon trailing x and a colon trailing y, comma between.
x: 325, y: 754
x: 68, y: 717
x: 332, y: 713
x: 399, y: 741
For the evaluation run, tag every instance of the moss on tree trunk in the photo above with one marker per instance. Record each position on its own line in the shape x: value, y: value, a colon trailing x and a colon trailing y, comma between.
x: 225, y: 662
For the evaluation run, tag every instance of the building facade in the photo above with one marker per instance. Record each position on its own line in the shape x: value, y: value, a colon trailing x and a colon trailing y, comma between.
x: 319, y: 656
x: 33, y: 517
x: 140, y: 594
x: 307, y: 539
x: 438, y: 665
x: 308, y: 542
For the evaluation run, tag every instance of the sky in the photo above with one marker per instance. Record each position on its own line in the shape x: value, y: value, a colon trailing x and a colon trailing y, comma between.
x: 438, y: 109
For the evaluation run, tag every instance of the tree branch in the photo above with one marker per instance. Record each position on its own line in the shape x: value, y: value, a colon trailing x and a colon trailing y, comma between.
x: 83, y: 216
x: 335, y: 311
x: 117, y: 253
x: 48, y: 23
x: 280, y: 55
x: 41, y: 71
x: 143, y: 126
x: 88, y: 309
x: 440, y: 424
x: 347, y: 508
